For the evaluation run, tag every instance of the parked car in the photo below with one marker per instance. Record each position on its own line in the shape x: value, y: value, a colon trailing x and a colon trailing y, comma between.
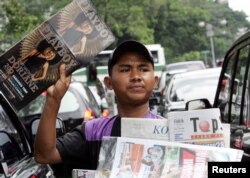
x: 77, y: 105
x: 189, y: 86
x: 188, y: 65
x: 90, y: 98
x: 102, y: 101
x: 233, y: 94
x: 179, y: 67
x: 16, y: 149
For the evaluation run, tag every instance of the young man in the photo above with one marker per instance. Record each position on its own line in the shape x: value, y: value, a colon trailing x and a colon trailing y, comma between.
x: 131, y: 76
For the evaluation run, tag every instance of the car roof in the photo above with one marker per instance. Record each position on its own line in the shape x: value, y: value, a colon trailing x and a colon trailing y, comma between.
x: 199, y: 77
x: 189, y: 65
x: 198, y: 73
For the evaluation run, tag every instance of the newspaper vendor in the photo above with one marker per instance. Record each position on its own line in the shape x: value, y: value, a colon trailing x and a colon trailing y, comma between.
x: 131, y: 76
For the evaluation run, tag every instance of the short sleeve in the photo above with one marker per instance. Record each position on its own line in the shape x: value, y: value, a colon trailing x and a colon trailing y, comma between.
x: 72, y: 146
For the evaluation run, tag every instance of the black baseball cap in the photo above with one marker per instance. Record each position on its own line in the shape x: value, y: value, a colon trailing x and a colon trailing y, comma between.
x: 130, y: 45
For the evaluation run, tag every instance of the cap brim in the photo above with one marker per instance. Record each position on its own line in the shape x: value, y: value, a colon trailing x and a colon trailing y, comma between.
x: 131, y: 46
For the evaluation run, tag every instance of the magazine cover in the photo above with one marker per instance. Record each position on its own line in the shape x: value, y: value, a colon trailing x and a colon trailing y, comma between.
x: 73, y: 36
x: 197, y: 127
x: 145, y: 158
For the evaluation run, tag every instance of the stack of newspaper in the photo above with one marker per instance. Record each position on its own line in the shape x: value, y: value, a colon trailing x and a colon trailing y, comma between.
x: 180, y: 146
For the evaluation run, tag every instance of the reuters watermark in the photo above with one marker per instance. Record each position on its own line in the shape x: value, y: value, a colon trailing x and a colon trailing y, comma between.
x: 228, y: 169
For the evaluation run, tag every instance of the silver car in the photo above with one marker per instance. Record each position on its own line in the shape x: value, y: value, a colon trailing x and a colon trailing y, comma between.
x: 188, y: 86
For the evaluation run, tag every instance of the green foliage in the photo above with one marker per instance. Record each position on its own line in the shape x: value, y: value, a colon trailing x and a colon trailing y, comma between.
x: 126, y: 19
x: 15, y: 24
x: 190, y: 56
x: 171, y: 23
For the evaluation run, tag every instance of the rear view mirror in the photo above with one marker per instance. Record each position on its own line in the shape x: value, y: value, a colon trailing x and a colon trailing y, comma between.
x: 198, y: 104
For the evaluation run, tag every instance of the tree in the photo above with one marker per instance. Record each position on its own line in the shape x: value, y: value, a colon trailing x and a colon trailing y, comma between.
x: 171, y: 23
x: 126, y: 19
x: 15, y: 23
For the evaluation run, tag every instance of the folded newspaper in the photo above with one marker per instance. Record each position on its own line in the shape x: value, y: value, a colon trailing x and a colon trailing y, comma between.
x: 145, y: 128
x: 201, y: 127
x: 73, y: 36
x: 83, y: 173
x: 146, y: 158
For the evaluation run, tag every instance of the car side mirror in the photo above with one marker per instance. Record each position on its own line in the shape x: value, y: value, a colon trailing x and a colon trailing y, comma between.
x: 60, y: 128
x: 198, y: 104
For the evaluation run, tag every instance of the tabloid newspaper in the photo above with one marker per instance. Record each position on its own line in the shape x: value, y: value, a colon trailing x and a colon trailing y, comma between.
x: 145, y: 128
x: 197, y: 127
x: 202, y: 127
x: 146, y: 158
x: 72, y: 36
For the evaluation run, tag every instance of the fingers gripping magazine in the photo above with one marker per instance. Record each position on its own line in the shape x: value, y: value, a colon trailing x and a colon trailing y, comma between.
x: 73, y: 36
x: 145, y: 158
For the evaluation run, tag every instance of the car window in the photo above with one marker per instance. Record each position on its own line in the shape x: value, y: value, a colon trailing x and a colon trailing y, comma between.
x: 69, y: 103
x: 34, y: 107
x: 237, y: 88
x: 186, y: 65
x: 225, y: 90
x: 246, y: 111
x: 186, y: 89
x: 88, y: 95
x: 233, y: 99
x: 11, y: 147
x: 91, y: 97
x: 242, y: 73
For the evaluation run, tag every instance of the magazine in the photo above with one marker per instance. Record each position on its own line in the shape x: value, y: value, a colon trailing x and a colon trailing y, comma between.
x: 72, y: 36
x: 202, y: 127
x: 146, y: 158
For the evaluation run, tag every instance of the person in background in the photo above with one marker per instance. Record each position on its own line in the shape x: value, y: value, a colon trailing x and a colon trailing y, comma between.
x: 131, y: 76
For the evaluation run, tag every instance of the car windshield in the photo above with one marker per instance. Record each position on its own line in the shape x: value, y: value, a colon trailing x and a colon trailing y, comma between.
x: 185, y: 89
x: 36, y: 106
x: 188, y: 66
x: 69, y: 97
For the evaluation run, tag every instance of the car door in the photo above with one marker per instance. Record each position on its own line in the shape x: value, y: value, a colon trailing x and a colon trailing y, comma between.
x: 233, y: 89
x: 233, y: 94
x: 15, y: 148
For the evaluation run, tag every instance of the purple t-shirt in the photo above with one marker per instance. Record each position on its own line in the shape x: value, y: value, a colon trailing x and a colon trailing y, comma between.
x: 97, y: 128
x: 80, y: 148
